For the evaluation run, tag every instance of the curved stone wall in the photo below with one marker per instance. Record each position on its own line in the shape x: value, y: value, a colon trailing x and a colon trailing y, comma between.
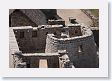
x: 81, y: 49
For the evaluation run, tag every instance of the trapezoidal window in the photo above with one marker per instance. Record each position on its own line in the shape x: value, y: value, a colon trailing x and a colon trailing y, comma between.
x: 22, y: 34
x: 55, y: 33
x: 76, y: 31
x: 34, y: 34
x: 63, y: 31
x: 46, y: 33
x: 80, y: 49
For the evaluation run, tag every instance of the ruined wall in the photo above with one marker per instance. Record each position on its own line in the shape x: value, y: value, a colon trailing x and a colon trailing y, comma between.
x: 34, y: 38
x: 81, y: 50
x: 56, y: 22
x: 74, y: 30
x: 36, y: 43
x: 24, y: 41
x: 33, y: 62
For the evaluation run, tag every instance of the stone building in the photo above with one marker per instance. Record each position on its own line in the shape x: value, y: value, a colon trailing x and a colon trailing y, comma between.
x: 52, y: 44
x: 80, y: 45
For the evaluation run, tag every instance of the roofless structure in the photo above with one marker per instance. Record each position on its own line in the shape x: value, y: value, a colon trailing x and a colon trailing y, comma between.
x: 52, y: 45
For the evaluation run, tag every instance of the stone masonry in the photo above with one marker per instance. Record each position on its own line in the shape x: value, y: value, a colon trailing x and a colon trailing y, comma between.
x: 52, y: 43
x: 77, y: 40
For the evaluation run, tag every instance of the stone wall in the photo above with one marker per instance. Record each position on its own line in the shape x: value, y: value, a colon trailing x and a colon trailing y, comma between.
x: 37, y: 43
x: 74, y: 30
x: 34, y: 44
x: 81, y: 49
x: 17, y: 18
x: 56, y: 22
x: 27, y: 17
x: 33, y: 61
x: 95, y: 31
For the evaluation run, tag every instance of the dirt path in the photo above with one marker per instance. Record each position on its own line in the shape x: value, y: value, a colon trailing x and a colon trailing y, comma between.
x: 76, y: 13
